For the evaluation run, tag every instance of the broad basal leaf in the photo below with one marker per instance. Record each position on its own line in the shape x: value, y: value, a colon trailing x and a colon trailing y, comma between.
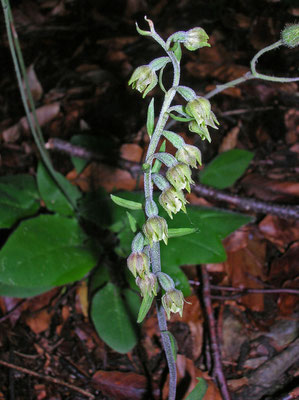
x: 114, y: 317
x: 225, y: 169
x: 49, y: 250
x: 19, y: 198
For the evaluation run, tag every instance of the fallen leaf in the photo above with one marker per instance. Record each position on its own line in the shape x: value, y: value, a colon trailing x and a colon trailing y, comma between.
x: 131, y: 152
x: 122, y: 385
x: 39, y: 322
x: 34, y: 84
x: 44, y: 115
x: 287, y: 302
x: 280, y: 232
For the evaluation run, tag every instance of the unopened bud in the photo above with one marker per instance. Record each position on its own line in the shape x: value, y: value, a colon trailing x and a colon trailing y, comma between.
x: 290, y: 35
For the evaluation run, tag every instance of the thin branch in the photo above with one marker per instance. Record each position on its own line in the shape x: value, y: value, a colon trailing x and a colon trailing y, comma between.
x: 217, y: 365
x: 47, y: 378
x: 246, y: 204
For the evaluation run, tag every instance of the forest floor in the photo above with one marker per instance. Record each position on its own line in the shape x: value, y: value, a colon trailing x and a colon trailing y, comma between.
x: 80, y: 56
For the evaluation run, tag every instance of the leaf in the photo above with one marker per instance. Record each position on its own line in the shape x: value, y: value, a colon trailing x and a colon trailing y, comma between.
x: 19, y: 198
x: 177, y: 232
x: 49, y: 250
x: 131, y: 205
x: 175, y: 139
x: 180, y: 279
x: 199, y: 391
x: 181, y: 119
x: 226, y: 168
x: 132, y: 222
x: 187, y: 93
x: 21, y: 292
x: 157, y: 164
x: 176, y: 48
x: 173, y: 344
x: 113, y: 317
x: 144, y: 308
x: 54, y: 199
x: 202, y: 246
x: 150, y: 122
x: 159, y: 63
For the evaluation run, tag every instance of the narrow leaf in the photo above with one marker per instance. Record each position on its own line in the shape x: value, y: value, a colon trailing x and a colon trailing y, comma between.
x: 199, y: 391
x: 175, y: 139
x: 181, y: 119
x: 159, y: 63
x: 157, y: 164
x: 177, y: 50
x: 173, y: 343
x: 176, y: 232
x: 187, y: 93
x: 131, y: 205
x: 150, y: 123
x: 132, y: 222
x: 166, y: 159
x: 144, y: 308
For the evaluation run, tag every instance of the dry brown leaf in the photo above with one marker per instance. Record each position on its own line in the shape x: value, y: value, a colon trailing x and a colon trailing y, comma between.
x: 230, y: 139
x: 246, y: 264
x: 82, y: 299
x: 131, y: 152
x: 44, y: 115
x: 39, y: 322
x: 33, y: 83
x: 270, y: 189
x: 287, y: 302
x: 280, y: 232
x: 12, y: 134
x: 291, y: 120
x: 286, y: 266
x: 122, y: 385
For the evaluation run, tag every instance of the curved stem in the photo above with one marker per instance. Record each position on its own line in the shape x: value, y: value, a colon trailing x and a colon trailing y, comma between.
x: 31, y: 115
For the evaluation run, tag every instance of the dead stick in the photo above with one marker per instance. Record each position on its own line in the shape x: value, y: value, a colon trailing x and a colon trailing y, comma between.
x: 47, y: 378
x: 244, y: 203
x: 217, y: 365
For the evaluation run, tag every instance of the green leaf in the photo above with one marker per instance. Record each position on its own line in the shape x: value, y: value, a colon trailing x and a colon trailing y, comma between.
x: 113, y: 317
x: 177, y: 232
x: 141, y: 31
x: 202, y: 246
x: 145, y: 306
x: 187, y: 93
x: 225, y: 169
x: 181, y: 119
x: 52, y: 195
x: 157, y: 163
x: 21, y: 292
x: 181, y: 281
x: 19, y: 198
x: 131, y: 205
x: 132, y: 222
x: 175, y: 139
x: 199, y: 391
x: 159, y: 63
x: 49, y: 250
x: 176, y: 48
x: 173, y: 344
x: 150, y: 122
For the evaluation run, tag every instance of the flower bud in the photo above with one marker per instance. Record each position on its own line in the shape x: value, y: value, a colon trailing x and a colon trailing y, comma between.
x: 290, y: 35
x: 148, y: 284
x: 138, y: 263
x: 155, y: 229
x: 173, y: 301
x: 180, y: 176
x: 189, y: 155
x: 195, y: 39
x: 165, y: 281
x: 144, y: 79
x: 172, y: 201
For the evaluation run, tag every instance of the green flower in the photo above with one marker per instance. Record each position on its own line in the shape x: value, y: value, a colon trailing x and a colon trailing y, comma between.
x: 138, y: 263
x: 144, y: 79
x: 196, y: 38
x: 173, y: 302
x: 189, y: 155
x: 180, y: 176
x: 172, y: 201
x: 148, y: 284
x: 200, y: 110
x: 155, y: 229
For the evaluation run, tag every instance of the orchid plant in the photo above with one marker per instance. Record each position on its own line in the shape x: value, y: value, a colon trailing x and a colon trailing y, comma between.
x: 144, y: 261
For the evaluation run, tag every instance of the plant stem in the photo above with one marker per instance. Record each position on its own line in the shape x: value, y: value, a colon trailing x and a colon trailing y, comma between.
x: 253, y: 74
x: 148, y: 191
x: 20, y: 69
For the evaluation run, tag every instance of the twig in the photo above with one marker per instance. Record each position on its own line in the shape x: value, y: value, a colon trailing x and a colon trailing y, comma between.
x: 244, y: 203
x: 292, y: 395
x: 47, y: 378
x: 215, y: 350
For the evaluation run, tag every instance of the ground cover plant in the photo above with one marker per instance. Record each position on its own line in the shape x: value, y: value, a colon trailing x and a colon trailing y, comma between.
x: 51, y: 249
